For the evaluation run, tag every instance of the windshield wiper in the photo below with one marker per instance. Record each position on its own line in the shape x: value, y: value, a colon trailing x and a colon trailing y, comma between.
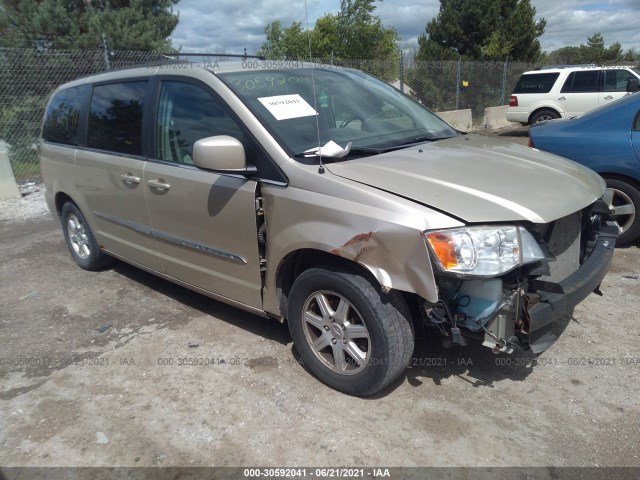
x: 331, y: 150
x: 422, y: 139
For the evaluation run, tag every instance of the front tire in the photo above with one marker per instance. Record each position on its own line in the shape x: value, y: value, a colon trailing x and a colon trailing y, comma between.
x: 81, y: 243
x: 349, y: 334
x: 624, y: 199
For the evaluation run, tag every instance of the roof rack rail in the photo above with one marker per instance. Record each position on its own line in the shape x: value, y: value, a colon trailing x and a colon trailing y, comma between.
x: 548, y: 67
x: 163, y: 59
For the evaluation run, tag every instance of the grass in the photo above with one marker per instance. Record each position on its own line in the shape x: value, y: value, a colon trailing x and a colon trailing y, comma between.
x: 26, y: 171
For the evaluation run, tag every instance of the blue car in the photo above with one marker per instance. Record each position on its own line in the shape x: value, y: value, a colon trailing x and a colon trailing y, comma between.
x: 607, y: 140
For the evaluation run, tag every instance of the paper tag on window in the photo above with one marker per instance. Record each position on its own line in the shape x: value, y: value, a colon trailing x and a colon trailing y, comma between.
x: 284, y: 107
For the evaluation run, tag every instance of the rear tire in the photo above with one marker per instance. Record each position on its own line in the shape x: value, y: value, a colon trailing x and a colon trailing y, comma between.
x: 542, y: 115
x: 625, y: 203
x: 81, y: 243
x: 349, y: 334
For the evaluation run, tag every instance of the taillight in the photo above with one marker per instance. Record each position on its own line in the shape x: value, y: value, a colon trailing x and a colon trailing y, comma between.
x: 513, y: 101
x: 531, y: 143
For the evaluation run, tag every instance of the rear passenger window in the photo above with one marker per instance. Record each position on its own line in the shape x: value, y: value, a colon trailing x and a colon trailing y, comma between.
x: 61, y: 117
x: 536, y: 83
x: 582, y: 82
x: 187, y: 113
x: 115, y: 117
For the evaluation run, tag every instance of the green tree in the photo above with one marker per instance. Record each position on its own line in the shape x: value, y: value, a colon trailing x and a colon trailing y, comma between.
x: 361, y: 34
x: 482, y: 29
x: 593, y: 52
x: 81, y: 24
x: 289, y: 42
x: 355, y: 32
x: 631, y: 56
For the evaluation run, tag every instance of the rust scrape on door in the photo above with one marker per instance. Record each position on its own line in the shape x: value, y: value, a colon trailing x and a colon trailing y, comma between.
x: 354, y: 247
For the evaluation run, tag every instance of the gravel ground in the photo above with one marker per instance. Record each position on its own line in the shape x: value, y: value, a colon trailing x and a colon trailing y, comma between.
x: 93, y: 373
x: 31, y: 206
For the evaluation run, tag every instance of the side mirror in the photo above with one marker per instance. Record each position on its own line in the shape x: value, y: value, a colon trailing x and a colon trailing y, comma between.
x: 223, y: 154
x: 633, y: 85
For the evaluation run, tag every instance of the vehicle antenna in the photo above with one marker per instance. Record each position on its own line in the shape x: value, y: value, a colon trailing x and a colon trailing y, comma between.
x: 313, y: 87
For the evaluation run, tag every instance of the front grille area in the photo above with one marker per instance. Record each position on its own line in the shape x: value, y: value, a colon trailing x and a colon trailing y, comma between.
x: 562, y: 241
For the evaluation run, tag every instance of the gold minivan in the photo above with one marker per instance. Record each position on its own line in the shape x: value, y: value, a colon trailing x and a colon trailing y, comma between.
x: 326, y: 198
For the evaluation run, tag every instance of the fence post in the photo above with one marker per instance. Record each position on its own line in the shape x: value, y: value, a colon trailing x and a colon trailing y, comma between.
x: 504, y: 81
x: 458, y: 80
x: 105, y: 52
x: 401, y: 71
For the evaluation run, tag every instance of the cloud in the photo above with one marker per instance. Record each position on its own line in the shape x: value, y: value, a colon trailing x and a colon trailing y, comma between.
x: 572, y: 22
x: 233, y: 25
x: 408, y: 17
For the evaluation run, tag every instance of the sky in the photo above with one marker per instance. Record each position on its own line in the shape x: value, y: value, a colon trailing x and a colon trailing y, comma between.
x: 230, y: 26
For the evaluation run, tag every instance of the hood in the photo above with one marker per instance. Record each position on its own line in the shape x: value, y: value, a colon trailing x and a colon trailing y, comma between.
x: 480, y: 179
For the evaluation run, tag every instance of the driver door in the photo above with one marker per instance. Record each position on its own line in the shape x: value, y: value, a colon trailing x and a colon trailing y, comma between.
x: 204, y: 222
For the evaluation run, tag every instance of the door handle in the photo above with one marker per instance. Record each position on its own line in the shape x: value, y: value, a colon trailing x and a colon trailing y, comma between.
x: 609, y: 97
x: 158, y: 184
x: 562, y: 98
x: 130, y: 178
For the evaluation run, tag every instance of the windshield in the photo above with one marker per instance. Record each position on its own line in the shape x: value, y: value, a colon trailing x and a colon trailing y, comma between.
x: 351, y: 107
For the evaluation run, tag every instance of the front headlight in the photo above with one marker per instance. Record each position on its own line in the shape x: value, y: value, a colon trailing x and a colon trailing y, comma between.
x: 483, y: 251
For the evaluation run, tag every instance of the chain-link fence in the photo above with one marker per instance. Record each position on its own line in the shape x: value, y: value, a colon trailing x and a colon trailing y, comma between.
x: 455, y: 85
x: 27, y: 77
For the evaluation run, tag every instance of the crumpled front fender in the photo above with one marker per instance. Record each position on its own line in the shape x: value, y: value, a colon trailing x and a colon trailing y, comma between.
x: 397, y: 259
x: 382, y: 233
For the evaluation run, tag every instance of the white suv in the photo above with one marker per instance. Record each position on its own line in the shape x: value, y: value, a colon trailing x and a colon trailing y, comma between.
x: 554, y: 92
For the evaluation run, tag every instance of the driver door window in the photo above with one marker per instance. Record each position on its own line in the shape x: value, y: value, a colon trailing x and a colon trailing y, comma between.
x: 187, y: 113
x: 616, y: 80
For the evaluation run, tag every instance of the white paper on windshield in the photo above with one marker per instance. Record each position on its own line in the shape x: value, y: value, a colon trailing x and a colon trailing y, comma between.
x: 329, y: 149
x: 284, y: 107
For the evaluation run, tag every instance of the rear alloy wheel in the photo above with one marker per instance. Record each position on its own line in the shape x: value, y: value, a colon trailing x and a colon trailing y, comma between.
x: 81, y: 243
x: 543, y: 115
x: 624, y: 200
x: 351, y: 335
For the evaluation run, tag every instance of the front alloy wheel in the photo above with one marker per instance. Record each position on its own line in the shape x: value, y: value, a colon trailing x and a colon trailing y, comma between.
x: 336, y: 332
x: 349, y: 333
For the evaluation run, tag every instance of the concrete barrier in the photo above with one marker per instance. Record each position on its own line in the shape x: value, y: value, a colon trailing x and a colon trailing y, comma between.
x: 459, y: 119
x: 8, y: 188
x: 496, y: 117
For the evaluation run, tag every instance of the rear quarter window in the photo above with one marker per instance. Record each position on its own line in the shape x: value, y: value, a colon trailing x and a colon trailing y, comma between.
x: 536, y: 83
x: 62, y: 116
x: 115, y: 117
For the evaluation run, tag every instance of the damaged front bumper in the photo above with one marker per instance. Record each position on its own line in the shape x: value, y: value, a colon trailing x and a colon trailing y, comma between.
x: 534, y: 320
x: 550, y: 315
x: 531, y: 309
